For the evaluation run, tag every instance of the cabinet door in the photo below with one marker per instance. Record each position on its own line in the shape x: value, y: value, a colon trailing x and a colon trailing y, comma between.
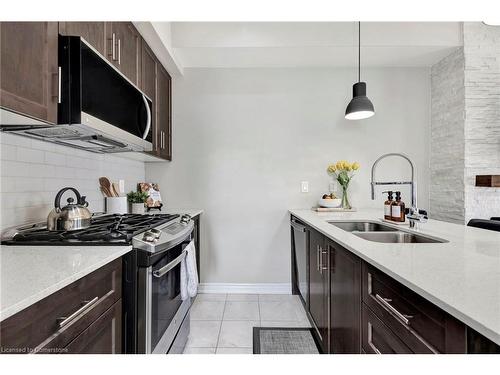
x: 93, y: 32
x: 104, y: 336
x: 345, y: 300
x: 126, y: 45
x: 164, y: 108
x: 318, y: 288
x: 29, y: 71
x: 148, y: 86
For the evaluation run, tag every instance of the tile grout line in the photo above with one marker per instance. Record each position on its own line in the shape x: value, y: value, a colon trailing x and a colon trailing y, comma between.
x: 220, y: 327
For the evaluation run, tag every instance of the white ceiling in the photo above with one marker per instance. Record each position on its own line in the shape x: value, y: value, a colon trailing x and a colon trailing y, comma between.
x: 312, y: 44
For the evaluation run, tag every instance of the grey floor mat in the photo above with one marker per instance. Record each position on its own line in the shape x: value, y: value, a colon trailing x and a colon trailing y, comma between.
x: 284, y: 341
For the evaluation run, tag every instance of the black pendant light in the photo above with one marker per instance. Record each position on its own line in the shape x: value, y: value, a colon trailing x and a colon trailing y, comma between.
x: 360, y: 107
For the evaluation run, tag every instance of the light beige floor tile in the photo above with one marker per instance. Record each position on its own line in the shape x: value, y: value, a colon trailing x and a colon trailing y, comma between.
x: 277, y: 297
x: 199, y: 351
x: 236, y: 333
x: 203, y: 334
x: 234, y: 351
x: 285, y: 324
x: 211, y: 297
x: 241, y: 311
x: 243, y: 297
x: 207, y: 310
x: 282, y: 310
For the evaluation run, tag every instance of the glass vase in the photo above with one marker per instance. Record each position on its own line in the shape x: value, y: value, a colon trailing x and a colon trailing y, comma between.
x: 345, y: 199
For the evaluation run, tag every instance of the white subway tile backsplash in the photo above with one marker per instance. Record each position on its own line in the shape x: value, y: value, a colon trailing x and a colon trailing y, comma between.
x: 32, y: 172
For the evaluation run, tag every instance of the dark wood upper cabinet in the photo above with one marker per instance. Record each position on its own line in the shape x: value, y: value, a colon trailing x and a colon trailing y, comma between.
x: 318, y: 287
x: 125, y: 49
x: 93, y: 32
x: 29, y: 69
x: 148, y: 86
x: 164, y: 113
x: 345, y: 300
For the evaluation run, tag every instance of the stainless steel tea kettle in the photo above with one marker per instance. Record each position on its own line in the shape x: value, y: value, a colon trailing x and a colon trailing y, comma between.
x: 73, y: 216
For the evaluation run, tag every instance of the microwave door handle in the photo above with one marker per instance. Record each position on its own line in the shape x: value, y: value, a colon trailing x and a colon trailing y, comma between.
x: 148, y: 121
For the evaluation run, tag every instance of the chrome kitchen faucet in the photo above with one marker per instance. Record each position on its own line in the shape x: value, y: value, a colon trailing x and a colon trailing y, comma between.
x: 414, y: 216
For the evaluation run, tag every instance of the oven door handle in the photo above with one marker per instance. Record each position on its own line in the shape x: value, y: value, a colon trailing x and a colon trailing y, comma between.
x: 162, y: 271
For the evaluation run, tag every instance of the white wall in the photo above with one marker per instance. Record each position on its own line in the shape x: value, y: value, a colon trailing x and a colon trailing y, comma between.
x: 245, y: 138
x: 32, y: 172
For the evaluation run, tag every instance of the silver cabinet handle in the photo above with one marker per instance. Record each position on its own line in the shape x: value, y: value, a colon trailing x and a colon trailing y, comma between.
x: 59, y: 78
x: 113, y: 47
x: 65, y: 320
x: 317, y: 257
x: 119, y: 51
x: 370, y: 339
x: 162, y: 271
x: 162, y: 140
x: 385, y: 302
x: 323, y: 268
x: 148, y: 119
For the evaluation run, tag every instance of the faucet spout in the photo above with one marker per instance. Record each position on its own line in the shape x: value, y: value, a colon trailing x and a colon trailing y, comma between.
x: 414, y: 212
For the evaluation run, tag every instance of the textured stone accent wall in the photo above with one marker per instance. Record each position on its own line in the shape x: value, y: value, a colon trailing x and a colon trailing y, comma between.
x: 447, y: 194
x: 482, y: 117
x: 465, y: 127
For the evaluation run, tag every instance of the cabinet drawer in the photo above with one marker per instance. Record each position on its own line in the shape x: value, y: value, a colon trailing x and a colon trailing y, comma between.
x: 422, y: 326
x: 377, y: 338
x: 52, y: 323
x: 102, y: 337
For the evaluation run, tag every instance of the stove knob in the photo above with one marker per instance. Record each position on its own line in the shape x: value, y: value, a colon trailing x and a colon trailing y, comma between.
x: 185, y: 219
x: 149, y: 237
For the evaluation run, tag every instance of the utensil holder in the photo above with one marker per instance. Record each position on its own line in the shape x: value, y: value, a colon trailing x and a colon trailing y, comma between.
x: 116, y: 205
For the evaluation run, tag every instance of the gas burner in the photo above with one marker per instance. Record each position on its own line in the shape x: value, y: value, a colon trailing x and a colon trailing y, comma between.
x: 104, y: 230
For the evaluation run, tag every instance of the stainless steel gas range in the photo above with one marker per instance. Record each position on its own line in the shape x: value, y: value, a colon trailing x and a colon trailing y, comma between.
x: 155, y: 319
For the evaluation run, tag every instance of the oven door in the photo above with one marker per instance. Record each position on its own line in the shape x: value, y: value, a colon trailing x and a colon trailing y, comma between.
x: 165, y: 311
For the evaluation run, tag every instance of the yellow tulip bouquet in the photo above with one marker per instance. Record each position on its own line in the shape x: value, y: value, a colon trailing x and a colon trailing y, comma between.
x: 343, y: 172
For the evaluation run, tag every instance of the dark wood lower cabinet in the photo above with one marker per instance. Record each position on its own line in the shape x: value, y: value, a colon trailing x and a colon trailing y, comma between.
x: 90, y: 306
x: 104, y: 336
x: 318, y: 287
x: 345, y: 300
x: 357, y: 308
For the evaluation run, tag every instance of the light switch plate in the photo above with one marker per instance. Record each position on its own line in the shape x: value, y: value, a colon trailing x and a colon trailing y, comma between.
x: 304, y: 186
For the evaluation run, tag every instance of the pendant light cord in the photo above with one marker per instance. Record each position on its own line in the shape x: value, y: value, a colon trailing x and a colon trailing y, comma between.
x: 359, y: 51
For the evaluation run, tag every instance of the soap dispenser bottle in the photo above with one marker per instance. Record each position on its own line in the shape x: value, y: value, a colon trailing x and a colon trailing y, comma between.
x: 398, y: 209
x: 387, y: 206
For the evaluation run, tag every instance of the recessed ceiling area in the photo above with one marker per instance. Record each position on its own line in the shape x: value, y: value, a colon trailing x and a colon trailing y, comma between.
x: 312, y: 44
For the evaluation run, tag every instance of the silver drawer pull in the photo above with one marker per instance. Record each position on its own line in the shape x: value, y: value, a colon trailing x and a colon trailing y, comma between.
x: 65, y: 320
x: 385, y: 301
x: 162, y: 271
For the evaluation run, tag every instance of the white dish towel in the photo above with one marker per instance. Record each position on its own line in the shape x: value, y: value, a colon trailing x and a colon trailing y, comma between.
x: 189, y: 274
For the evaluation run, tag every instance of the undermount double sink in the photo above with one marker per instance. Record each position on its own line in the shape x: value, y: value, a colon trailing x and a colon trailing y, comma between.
x: 379, y: 232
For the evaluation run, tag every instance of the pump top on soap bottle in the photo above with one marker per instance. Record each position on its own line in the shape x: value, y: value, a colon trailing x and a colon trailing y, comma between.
x: 398, y: 209
x: 387, y: 205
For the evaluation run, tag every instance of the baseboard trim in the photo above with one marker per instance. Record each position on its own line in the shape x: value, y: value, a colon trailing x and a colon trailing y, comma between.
x: 260, y: 288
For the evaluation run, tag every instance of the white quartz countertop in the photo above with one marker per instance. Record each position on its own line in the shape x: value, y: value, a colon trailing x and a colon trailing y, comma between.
x: 461, y: 276
x: 31, y: 273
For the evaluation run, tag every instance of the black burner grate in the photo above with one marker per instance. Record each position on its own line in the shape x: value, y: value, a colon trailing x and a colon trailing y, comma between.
x: 104, y: 230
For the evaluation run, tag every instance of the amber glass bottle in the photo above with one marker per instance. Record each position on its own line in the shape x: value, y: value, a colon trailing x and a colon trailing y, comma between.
x: 387, y: 206
x: 398, y: 209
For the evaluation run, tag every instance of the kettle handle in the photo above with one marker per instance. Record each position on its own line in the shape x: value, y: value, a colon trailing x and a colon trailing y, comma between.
x: 57, y: 201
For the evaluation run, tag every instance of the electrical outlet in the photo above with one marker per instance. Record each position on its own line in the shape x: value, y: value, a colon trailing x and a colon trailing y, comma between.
x: 304, y: 186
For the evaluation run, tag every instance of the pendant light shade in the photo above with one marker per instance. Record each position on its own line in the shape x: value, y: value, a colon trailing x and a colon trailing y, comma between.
x: 360, y: 107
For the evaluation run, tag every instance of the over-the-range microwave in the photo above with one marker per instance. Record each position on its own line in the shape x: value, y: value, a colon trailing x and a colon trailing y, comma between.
x: 99, y: 109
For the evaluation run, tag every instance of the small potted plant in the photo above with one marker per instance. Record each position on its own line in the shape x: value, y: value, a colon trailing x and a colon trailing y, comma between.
x: 137, y: 200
